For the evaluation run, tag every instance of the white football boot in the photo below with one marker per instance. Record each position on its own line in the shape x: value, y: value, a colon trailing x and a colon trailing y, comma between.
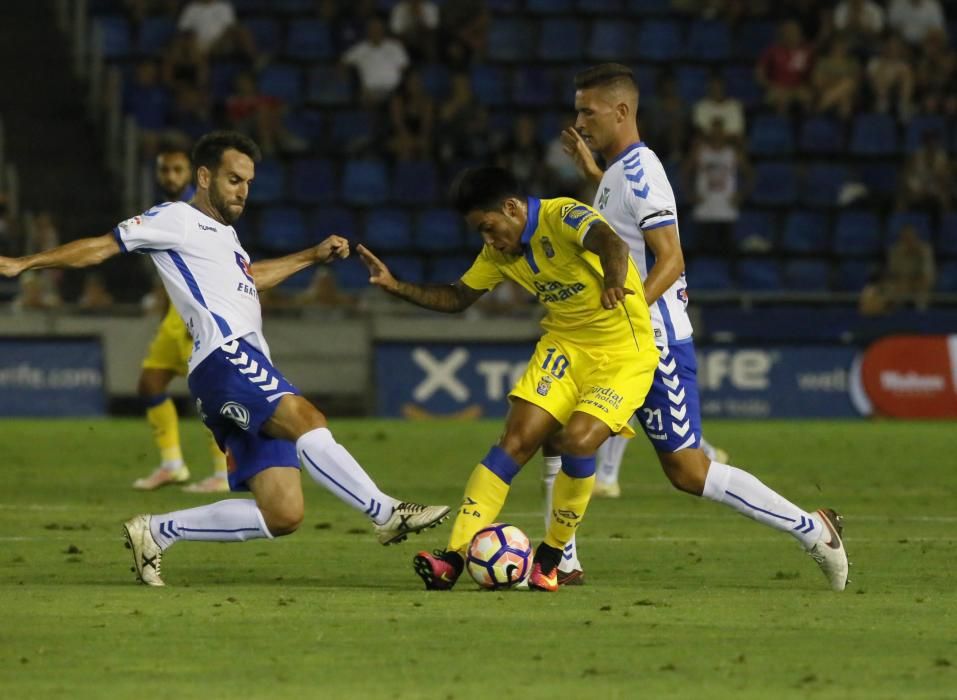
x: 409, y: 517
x: 829, y: 552
x: 147, y: 555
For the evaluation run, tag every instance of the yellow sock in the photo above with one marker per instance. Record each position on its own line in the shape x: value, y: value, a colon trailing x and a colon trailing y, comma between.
x: 569, y: 501
x: 165, y: 424
x: 217, y: 456
x: 485, y: 494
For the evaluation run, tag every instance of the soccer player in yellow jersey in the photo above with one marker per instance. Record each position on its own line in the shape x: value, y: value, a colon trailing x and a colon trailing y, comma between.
x: 590, y: 370
x: 166, y: 359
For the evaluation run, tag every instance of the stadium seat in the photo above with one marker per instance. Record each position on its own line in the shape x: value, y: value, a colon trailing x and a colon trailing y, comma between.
x: 874, y: 135
x: 283, y: 81
x: 880, y: 178
x: 270, y: 184
x: 611, y: 40
x: 115, y: 37
x: 947, y: 277
x: 752, y: 38
x: 299, y: 281
x: 446, y: 269
x: 741, y: 84
x: 898, y: 220
x: 351, y: 130
x: 857, y: 233
x: 532, y: 86
x: 549, y: 7
x: 709, y: 40
x: 660, y: 40
x: 308, y: 124
x: 365, y: 182
x: 490, y: 85
x: 599, y: 7
x: 642, y: 8
x: 508, y: 40
x: 437, y: 80
x: 754, y: 232
x: 921, y: 124
x: 560, y: 40
x: 266, y: 31
x: 388, y: 230
x: 313, y: 181
x: 775, y: 184
x: 282, y: 230
x: 324, y: 221
x: 503, y: 6
x: 692, y: 82
x: 222, y: 75
x: 947, y: 234
x: 759, y: 275
x: 351, y: 275
x: 330, y: 87
x: 309, y: 40
x: 408, y: 268
x: 415, y: 182
x: 852, y: 275
x: 821, y: 135
x: 646, y: 75
x: 688, y: 233
x: 807, y: 275
x: 771, y: 135
x: 438, y: 230
x: 822, y: 184
x: 806, y: 232
x: 709, y: 274
x: 292, y: 7
x: 155, y: 35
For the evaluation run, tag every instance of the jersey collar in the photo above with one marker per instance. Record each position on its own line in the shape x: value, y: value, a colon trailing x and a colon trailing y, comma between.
x: 636, y: 145
x: 531, y: 223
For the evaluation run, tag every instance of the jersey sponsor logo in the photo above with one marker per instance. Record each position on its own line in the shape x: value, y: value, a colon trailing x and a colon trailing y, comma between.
x: 244, y: 266
x: 575, y: 214
x: 603, y: 199
x: 557, y: 291
x: 237, y: 413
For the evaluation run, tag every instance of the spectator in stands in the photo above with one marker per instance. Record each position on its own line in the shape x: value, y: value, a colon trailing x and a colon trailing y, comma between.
x: 260, y: 117
x: 522, y: 153
x: 913, y: 19
x: 349, y: 20
x: 836, y: 80
x: 184, y: 66
x: 412, y: 113
x: 665, y: 118
x: 95, y: 296
x: 415, y: 22
x: 380, y: 62
x: 891, y: 77
x: 928, y: 177
x: 784, y: 69
x: 464, y: 31
x: 462, y: 131
x: 815, y: 18
x: 719, y: 177
x: 937, y: 75
x: 217, y: 31
x: 908, y: 277
x: 860, y: 21
x: 562, y: 178
x: 717, y: 105
x: 149, y: 103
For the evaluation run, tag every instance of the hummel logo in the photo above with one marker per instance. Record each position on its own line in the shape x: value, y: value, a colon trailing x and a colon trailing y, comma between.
x: 207, y: 228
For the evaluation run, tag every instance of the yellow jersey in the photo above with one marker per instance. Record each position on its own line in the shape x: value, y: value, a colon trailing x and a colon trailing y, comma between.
x: 566, y: 278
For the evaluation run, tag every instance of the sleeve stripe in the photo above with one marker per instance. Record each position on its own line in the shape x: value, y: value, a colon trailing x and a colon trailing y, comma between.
x: 119, y: 239
x: 659, y: 224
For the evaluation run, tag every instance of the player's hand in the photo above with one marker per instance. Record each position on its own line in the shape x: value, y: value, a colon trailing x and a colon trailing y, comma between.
x: 10, y: 267
x: 574, y: 145
x: 610, y: 297
x: 379, y: 274
x: 331, y: 248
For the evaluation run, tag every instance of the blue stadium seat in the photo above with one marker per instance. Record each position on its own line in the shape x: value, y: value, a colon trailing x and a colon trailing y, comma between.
x: 266, y: 31
x: 437, y: 80
x: 549, y: 7
x: 641, y: 8
x: 560, y: 40
x: 351, y: 129
x: 309, y: 124
x: 503, y: 6
x: 330, y: 87
x: 858, y: 233
x: 599, y: 7
x: 309, y: 40
x: 155, y: 35
x: 115, y: 37
x: 775, y: 184
x: 771, y: 135
x: 291, y: 7
x: 407, y: 268
x: 508, y: 40
x: 365, y: 182
x: 947, y: 277
x: 852, y: 275
x: 807, y: 275
x: 822, y: 184
x: 874, y: 135
x: 611, y: 40
x: 490, y: 84
x: 692, y: 82
x: 222, y: 75
x: 646, y: 75
x: 688, y: 232
x: 754, y: 231
x: 660, y: 40
x: 709, y: 274
x: 921, y: 124
x: 741, y: 84
x: 880, y: 177
x: 806, y: 232
x: 324, y: 221
x: 709, y: 40
x: 283, y: 81
x: 282, y: 230
x: 550, y: 124
x: 446, y: 269
x: 270, y: 184
x: 898, y: 220
x: 753, y: 37
x: 313, y: 181
x: 438, y: 230
x: 415, y: 182
x: 388, y: 230
x: 532, y: 86
x: 947, y: 234
x: 759, y: 275
x: 351, y: 275
x: 822, y: 135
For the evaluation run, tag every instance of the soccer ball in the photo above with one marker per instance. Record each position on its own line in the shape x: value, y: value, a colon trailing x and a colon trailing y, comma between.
x: 500, y: 556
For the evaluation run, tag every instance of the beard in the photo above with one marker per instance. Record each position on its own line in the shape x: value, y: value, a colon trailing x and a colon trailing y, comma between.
x: 222, y: 207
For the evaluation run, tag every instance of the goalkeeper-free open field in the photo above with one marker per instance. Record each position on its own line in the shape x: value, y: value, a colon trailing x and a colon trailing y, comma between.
x: 684, y: 598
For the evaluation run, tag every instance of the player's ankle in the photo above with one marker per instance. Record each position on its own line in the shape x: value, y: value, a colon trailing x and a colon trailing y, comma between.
x: 548, y: 556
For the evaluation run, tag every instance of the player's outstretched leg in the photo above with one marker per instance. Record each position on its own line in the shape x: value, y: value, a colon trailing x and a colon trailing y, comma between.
x: 570, y: 571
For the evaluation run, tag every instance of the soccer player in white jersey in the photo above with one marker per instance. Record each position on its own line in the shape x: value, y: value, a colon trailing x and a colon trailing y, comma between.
x: 634, y: 195
x: 264, y: 425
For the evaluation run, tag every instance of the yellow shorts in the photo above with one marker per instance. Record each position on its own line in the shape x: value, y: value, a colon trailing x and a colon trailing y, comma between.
x: 171, y: 346
x: 610, y: 384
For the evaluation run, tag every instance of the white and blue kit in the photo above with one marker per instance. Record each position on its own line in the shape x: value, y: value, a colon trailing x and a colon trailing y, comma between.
x: 230, y: 372
x: 634, y: 195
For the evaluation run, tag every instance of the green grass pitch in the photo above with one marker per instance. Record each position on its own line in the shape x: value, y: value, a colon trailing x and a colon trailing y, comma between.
x: 684, y: 598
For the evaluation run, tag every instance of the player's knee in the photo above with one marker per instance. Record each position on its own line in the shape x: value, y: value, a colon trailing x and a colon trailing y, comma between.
x: 519, y: 446
x: 581, y: 440
x: 283, y: 520
x: 150, y: 385
x: 686, y: 470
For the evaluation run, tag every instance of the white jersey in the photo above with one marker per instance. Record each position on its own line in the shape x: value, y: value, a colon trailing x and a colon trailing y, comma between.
x: 205, y: 271
x: 716, y: 184
x: 635, y: 196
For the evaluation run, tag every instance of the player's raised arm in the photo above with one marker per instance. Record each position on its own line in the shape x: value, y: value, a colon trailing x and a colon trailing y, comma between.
x: 449, y: 298
x: 269, y: 273
x: 81, y: 253
x: 614, y: 255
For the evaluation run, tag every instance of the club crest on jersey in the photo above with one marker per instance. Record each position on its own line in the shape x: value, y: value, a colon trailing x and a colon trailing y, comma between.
x: 683, y: 295
x: 547, y: 247
x: 574, y: 214
x: 544, y: 385
x: 603, y: 200
x: 244, y: 266
x: 237, y: 413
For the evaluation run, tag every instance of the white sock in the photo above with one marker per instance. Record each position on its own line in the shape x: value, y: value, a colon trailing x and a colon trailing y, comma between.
x: 330, y: 465
x: 708, y: 449
x: 610, y: 455
x: 747, y: 495
x: 550, y: 470
x: 232, y: 520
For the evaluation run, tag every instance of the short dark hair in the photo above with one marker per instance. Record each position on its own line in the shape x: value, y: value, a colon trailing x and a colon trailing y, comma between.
x: 166, y: 149
x: 208, y: 151
x: 483, y: 188
x: 606, y: 75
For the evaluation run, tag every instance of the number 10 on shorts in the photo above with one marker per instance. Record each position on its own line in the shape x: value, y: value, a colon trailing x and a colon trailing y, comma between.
x: 559, y: 363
